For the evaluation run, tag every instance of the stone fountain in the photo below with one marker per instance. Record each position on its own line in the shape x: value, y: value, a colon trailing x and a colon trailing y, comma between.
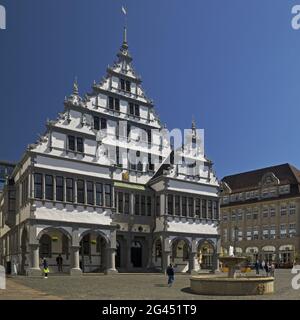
x: 232, y: 284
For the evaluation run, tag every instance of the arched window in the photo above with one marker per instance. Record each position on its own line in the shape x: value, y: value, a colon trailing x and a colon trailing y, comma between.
x: 180, y: 249
x: 205, y: 255
x: 45, y: 246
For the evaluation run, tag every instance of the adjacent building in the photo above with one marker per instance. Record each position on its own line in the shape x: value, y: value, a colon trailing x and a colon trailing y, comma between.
x: 101, y: 188
x: 6, y: 169
x: 260, y: 214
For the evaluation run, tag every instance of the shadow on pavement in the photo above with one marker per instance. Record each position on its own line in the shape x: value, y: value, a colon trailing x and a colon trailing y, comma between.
x: 160, y: 285
x: 187, y: 290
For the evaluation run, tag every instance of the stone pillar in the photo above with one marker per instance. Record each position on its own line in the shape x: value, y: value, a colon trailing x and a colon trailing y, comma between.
x: 166, y: 256
x: 192, y: 266
x: 150, y: 264
x: 34, y: 270
x: 111, y: 254
x: 75, y: 269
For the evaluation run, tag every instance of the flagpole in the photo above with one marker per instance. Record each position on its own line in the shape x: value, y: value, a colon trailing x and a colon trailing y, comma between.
x: 125, y: 24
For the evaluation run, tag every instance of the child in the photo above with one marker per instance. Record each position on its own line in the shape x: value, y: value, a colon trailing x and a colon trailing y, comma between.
x: 46, y: 268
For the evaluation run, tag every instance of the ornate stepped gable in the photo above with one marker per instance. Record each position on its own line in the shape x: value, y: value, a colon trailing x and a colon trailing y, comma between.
x: 115, y: 104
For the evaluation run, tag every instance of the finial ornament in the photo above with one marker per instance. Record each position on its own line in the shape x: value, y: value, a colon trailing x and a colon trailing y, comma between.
x: 75, y: 87
x: 193, y: 124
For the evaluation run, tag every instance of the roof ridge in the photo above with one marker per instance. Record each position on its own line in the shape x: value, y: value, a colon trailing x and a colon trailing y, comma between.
x: 260, y: 169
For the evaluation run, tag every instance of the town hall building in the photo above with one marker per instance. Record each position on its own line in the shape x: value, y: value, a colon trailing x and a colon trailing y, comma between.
x: 106, y: 189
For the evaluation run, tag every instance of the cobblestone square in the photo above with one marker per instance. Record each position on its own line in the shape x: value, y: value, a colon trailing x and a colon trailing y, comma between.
x: 125, y: 287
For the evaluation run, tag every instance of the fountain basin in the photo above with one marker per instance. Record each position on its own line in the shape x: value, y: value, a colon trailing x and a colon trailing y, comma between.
x: 225, y: 286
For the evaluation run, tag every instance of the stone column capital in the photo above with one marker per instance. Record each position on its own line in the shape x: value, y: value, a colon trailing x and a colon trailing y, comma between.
x: 75, y: 247
x: 34, y: 245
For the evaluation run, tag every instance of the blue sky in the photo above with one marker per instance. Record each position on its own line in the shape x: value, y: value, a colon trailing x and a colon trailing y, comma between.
x: 235, y: 66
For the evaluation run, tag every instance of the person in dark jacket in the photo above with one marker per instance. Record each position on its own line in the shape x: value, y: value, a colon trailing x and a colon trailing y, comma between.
x: 267, y: 268
x: 59, y: 262
x: 45, y: 268
x: 256, y: 266
x: 170, y: 273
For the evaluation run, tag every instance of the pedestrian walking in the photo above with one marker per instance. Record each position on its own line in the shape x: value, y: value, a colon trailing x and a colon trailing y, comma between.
x: 272, y: 272
x: 256, y: 266
x: 45, y: 268
x: 267, y: 268
x: 170, y: 273
x: 59, y: 262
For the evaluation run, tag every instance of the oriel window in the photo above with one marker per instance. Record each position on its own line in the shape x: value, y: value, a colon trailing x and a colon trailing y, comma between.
x: 191, y: 207
x: 203, y: 213
x: 137, y: 205
x: 99, y: 192
x: 38, y: 185
x: 80, y: 191
x: 170, y: 204
x: 70, y: 190
x: 198, y: 207
x: 157, y: 204
x: 120, y: 202
x: 108, y: 195
x: 143, y: 205
x: 59, y: 189
x: 49, y: 187
x: 184, y: 206
x: 126, y: 204
x: 149, y: 206
x: 90, y: 192
x: 209, y: 211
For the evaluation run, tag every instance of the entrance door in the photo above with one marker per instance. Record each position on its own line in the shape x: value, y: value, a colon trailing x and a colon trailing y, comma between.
x: 136, y: 254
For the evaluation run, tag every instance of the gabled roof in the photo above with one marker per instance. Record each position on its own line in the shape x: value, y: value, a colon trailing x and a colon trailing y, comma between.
x: 286, y: 173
